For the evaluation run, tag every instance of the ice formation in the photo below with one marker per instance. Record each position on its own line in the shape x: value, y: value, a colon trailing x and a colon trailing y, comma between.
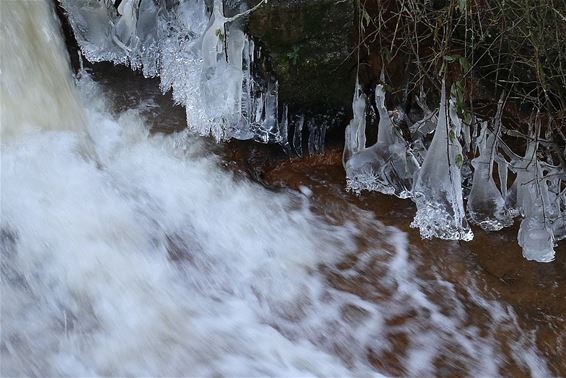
x: 389, y: 165
x: 437, y: 191
x: 205, y: 59
x: 559, y: 224
x: 317, y: 135
x: 298, y: 123
x: 438, y: 177
x: 486, y: 204
x: 530, y: 197
x: 355, y: 138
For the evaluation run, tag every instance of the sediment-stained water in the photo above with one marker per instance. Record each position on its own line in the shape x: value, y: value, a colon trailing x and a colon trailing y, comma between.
x: 158, y: 255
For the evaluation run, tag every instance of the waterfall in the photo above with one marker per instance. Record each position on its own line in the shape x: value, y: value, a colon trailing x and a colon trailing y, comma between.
x: 37, y: 86
x: 150, y: 260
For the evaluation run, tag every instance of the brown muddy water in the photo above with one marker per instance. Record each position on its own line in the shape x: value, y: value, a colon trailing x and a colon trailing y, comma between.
x: 458, y: 308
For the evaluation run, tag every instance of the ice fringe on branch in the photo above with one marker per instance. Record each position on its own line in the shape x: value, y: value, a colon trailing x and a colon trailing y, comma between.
x: 536, y: 196
x: 434, y: 177
x: 437, y: 191
x: 389, y: 165
x: 486, y: 204
x: 206, y: 60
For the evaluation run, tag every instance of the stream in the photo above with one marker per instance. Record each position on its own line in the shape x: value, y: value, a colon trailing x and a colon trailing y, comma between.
x: 132, y: 248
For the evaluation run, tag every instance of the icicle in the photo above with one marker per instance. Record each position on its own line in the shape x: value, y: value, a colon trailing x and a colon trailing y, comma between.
x: 212, y: 44
x: 554, y: 199
x: 529, y: 196
x: 559, y: 225
x: 148, y: 33
x: 313, y: 141
x: 503, y: 171
x: 124, y: 33
x: 355, y: 138
x: 268, y: 128
x: 437, y: 191
x: 466, y: 135
x: 525, y: 169
x: 387, y: 166
x: 284, y: 128
x: 486, y: 205
x: 385, y: 133
x: 321, y: 138
x: 535, y: 235
x: 420, y: 129
x: 298, y: 135
x: 316, y: 137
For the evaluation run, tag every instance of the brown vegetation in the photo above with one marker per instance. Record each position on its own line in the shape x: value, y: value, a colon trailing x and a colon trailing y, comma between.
x: 484, y: 49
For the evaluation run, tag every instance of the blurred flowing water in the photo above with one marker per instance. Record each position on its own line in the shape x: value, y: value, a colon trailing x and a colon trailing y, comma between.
x: 127, y: 252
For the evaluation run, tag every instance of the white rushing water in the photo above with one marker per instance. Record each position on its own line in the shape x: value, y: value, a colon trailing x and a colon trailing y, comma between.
x: 145, y: 258
x: 150, y: 261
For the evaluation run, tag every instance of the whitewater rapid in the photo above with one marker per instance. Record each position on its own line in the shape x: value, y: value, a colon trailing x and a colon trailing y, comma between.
x: 151, y: 261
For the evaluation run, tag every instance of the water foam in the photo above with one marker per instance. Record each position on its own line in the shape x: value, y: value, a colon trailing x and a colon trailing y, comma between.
x: 152, y: 260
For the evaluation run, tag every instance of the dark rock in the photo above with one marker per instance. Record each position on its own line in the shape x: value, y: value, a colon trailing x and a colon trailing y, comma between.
x: 310, y: 44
